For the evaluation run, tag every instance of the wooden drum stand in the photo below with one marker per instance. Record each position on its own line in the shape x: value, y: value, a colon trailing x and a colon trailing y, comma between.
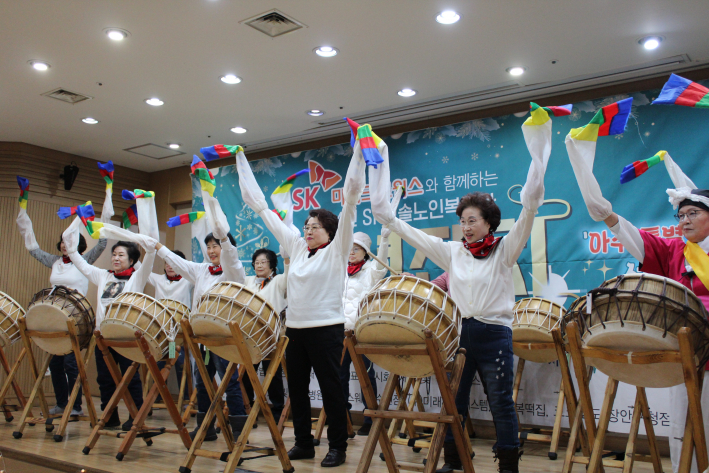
x: 233, y: 457
x: 138, y: 429
x: 185, y: 384
x: 38, y: 374
x: 448, y: 415
x: 10, y: 382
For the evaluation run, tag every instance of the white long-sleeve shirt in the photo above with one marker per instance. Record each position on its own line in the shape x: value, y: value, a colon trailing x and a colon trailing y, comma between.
x: 357, y: 286
x: 198, y: 273
x: 67, y: 274
x: 180, y: 291
x: 274, y: 292
x: 110, y: 287
x: 481, y: 288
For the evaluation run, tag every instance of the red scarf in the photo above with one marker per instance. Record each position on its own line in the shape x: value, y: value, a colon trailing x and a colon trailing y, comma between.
x: 312, y: 251
x: 125, y: 274
x: 215, y: 270
x: 354, y: 268
x: 266, y: 281
x: 482, y: 248
x: 66, y: 260
x: 173, y: 278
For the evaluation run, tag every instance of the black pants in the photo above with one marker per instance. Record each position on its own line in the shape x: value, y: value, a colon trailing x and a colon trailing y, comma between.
x: 276, y: 393
x: 105, y: 381
x: 65, y: 372
x: 319, y: 348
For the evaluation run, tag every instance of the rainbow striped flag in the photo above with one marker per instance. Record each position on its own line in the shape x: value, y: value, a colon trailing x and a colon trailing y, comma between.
x: 137, y: 194
x: 281, y: 196
x: 130, y: 216
x: 24, y: 191
x: 85, y: 213
x: 610, y: 120
x: 557, y: 111
x: 106, y: 171
x: 680, y: 91
x: 368, y: 142
x: 211, y: 153
x: 184, y: 218
x: 206, y: 179
x: 631, y: 171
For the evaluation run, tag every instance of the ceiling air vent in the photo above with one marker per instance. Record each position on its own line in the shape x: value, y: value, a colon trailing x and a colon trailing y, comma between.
x: 274, y: 23
x: 151, y: 150
x: 66, y: 96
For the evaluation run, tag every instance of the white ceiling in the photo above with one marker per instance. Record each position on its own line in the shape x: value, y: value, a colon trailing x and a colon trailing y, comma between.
x: 178, y: 49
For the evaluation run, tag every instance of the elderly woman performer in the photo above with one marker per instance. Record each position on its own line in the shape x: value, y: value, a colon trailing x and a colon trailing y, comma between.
x: 671, y: 258
x: 123, y: 277
x: 480, y: 268
x: 315, y: 319
x: 362, y: 275
x: 63, y: 368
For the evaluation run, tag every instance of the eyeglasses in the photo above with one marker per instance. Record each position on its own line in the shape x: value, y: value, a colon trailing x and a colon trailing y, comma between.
x: 691, y: 215
x: 313, y: 228
x: 261, y: 263
x: 471, y: 222
x: 355, y: 249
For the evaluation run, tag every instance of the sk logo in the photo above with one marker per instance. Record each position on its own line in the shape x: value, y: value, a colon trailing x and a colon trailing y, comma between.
x: 326, y: 178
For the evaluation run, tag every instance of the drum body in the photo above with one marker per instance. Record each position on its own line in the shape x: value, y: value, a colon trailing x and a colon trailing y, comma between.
x: 642, y: 312
x: 132, y: 312
x: 49, y: 311
x: 10, y: 311
x: 534, y: 320
x: 178, y: 310
x: 229, y: 302
x: 396, y: 312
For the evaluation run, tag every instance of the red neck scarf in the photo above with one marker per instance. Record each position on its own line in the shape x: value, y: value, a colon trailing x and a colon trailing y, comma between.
x: 173, y: 278
x: 66, y: 260
x: 482, y: 248
x: 215, y: 270
x: 312, y: 251
x: 354, y: 268
x: 266, y: 281
x: 125, y: 274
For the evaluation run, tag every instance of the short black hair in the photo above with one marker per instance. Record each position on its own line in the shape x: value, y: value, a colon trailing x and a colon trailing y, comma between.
x: 80, y: 249
x: 270, y: 254
x: 489, y: 210
x: 327, y: 219
x: 180, y: 254
x: 131, y: 248
x: 211, y: 237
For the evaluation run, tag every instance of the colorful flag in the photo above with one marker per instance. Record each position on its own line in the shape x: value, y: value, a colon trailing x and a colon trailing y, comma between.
x: 557, y: 111
x: 184, y: 218
x: 211, y: 153
x: 281, y: 197
x: 610, y: 120
x: 106, y: 171
x: 85, y: 212
x: 65, y: 212
x: 368, y: 142
x: 137, y: 194
x: 130, y: 216
x: 24, y: 191
x: 680, y: 91
x: 206, y: 179
x: 631, y: 171
x: 93, y: 228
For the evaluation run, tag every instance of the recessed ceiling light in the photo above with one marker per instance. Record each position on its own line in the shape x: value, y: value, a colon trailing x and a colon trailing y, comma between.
x: 651, y: 42
x: 407, y: 92
x: 40, y: 65
x: 326, y: 51
x: 174, y: 145
x: 448, y: 17
x: 315, y: 113
x: 155, y: 102
x: 89, y: 120
x: 516, y: 70
x: 116, y: 34
x: 231, y: 79
x: 239, y: 129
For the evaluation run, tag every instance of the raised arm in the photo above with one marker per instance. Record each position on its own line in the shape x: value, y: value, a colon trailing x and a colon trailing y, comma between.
x: 187, y: 269
x: 96, y: 251
x: 433, y: 247
x: 43, y: 257
x: 231, y: 264
x: 142, y: 274
x: 71, y: 241
x: 355, y: 180
x: 380, y: 271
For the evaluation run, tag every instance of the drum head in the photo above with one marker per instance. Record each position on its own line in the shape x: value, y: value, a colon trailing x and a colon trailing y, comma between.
x: 10, y: 311
x: 46, y: 317
x: 632, y: 337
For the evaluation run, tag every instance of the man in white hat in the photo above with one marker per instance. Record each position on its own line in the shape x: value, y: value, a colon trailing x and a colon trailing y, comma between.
x: 362, y: 275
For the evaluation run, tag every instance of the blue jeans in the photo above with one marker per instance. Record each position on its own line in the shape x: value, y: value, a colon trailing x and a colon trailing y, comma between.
x: 65, y: 372
x: 345, y: 380
x: 234, y: 400
x: 489, y: 353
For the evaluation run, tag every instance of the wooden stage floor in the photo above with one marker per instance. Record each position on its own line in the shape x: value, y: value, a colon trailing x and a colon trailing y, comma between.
x: 167, y: 452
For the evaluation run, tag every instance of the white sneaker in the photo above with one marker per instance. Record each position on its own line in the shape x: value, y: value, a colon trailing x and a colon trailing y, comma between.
x: 75, y: 412
x: 56, y: 410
